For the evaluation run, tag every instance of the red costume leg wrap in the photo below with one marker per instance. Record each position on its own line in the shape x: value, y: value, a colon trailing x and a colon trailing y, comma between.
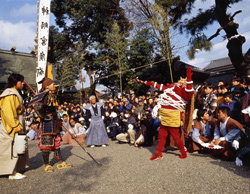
x: 163, y: 133
x: 174, y: 131
x: 57, y: 143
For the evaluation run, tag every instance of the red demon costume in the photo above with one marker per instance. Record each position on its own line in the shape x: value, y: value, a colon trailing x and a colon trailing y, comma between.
x: 169, y: 107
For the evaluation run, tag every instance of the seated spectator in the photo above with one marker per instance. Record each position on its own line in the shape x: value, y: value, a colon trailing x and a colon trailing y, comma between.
x: 146, y: 133
x: 234, y: 105
x: 156, y: 93
x: 114, y: 125
x: 148, y: 94
x: 220, y: 98
x: 246, y: 102
x: 65, y: 122
x: 116, y: 106
x: 219, y: 92
x: 78, y: 131
x: 34, y: 128
x: 74, y: 114
x: 209, y: 100
x: 224, y: 135
x: 106, y: 114
x: 79, y: 112
x: 139, y: 109
x: 83, y: 122
x: 130, y: 131
x: 235, y: 82
x: 203, y: 130
x: 225, y: 88
x: 28, y: 118
x: 221, y: 83
x: 61, y: 112
x: 134, y: 105
x: 125, y: 105
x: 243, y: 139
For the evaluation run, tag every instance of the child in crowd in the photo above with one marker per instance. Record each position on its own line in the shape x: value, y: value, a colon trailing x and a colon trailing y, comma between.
x: 209, y: 100
x: 234, y: 105
x: 34, y: 127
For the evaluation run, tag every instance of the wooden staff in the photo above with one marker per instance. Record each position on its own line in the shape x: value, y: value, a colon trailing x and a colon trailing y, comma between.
x: 80, y: 144
x: 29, y: 87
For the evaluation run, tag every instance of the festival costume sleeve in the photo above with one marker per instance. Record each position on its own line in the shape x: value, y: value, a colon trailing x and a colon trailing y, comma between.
x: 189, y: 91
x: 196, y: 132
x: 196, y: 135
x: 185, y: 93
x: 233, y: 124
x: 9, y: 106
x: 216, y: 133
x: 231, y: 134
x: 161, y: 87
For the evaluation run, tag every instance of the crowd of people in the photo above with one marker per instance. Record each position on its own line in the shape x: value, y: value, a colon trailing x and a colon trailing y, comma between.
x: 129, y: 120
x: 212, y: 119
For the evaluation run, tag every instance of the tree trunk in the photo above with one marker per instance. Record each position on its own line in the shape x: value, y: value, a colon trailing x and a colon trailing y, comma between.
x: 235, y: 41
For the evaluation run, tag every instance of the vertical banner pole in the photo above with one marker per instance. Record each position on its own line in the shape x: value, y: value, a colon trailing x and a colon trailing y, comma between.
x: 43, y: 41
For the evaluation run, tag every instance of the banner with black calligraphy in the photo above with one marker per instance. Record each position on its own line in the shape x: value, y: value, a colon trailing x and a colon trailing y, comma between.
x: 43, y: 40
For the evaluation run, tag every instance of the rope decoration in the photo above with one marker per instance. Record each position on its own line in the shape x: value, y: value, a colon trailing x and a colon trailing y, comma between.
x: 166, y: 100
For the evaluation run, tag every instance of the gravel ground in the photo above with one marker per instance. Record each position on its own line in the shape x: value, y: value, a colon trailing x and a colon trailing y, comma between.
x: 127, y: 169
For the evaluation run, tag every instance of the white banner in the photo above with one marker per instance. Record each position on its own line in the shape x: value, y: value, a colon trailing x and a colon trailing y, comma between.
x: 43, y: 40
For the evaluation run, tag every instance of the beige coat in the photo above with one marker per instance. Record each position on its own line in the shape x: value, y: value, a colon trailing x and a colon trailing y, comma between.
x: 11, y: 123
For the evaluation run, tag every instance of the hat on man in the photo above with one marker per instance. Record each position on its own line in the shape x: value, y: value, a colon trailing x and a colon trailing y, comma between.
x: 113, y: 114
x: 139, y: 100
x: 125, y: 100
x: 81, y: 119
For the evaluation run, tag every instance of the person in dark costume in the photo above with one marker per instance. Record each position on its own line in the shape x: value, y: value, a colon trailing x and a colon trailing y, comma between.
x: 45, y: 104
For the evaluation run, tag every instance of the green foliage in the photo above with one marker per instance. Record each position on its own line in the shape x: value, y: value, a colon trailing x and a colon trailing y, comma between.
x: 141, y: 54
x: 85, y: 21
x: 116, y: 45
x: 218, y: 12
x: 72, y: 64
x: 67, y: 74
x: 59, y: 45
x: 198, y: 43
x: 133, y: 54
x: 161, y: 29
x: 88, y: 20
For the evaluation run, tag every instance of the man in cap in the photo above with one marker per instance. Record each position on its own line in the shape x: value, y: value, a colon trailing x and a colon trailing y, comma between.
x: 139, y: 110
x: 125, y: 106
x: 114, y: 125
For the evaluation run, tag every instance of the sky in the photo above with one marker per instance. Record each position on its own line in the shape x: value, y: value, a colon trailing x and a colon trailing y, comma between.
x: 18, y: 22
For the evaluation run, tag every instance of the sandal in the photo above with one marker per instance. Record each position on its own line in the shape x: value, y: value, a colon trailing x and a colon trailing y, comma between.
x: 64, y: 165
x: 17, y: 176
x: 49, y: 168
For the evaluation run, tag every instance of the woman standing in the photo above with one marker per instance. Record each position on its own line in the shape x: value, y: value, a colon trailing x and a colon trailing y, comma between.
x: 12, y: 123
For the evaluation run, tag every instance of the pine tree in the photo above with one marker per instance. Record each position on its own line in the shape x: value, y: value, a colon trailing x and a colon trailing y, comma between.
x: 117, y: 47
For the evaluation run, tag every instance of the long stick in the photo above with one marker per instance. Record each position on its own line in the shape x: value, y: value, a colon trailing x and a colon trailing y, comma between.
x: 80, y: 144
x: 29, y: 87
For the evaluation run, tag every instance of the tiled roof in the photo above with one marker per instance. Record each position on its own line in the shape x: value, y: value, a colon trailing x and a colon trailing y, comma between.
x: 224, y: 64
x: 219, y: 65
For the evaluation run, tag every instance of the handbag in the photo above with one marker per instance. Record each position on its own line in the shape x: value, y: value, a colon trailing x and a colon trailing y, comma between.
x: 20, y: 143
